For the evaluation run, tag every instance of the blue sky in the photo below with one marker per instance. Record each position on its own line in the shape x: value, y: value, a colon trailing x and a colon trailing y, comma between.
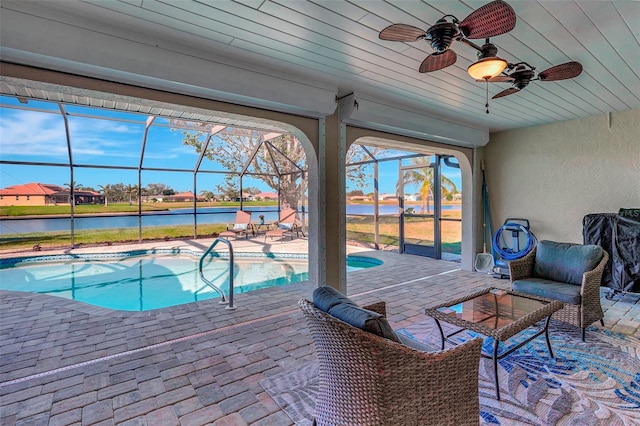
x: 38, y: 135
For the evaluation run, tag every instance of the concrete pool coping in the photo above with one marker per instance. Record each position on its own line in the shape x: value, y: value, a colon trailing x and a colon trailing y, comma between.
x: 297, y: 245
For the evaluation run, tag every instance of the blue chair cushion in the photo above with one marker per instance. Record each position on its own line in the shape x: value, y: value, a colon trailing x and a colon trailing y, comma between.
x: 567, y: 293
x: 336, y: 304
x: 240, y: 226
x: 565, y: 262
x: 287, y: 226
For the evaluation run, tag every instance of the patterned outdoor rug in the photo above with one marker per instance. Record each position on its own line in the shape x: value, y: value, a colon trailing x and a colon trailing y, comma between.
x: 591, y: 383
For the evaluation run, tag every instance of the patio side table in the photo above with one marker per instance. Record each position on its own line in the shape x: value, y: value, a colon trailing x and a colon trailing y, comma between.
x: 263, y: 227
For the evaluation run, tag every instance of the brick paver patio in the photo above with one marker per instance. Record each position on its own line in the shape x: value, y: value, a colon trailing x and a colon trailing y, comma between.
x: 65, y: 362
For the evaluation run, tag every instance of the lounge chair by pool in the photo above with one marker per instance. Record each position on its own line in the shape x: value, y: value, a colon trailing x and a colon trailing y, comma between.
x: 241, y: 226
x: 288, y: 224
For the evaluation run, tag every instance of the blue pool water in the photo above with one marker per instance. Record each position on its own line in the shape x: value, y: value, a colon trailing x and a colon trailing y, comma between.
x: 141, y: 283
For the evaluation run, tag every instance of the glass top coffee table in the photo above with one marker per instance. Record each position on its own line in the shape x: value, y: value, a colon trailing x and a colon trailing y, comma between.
x: 499, y: 314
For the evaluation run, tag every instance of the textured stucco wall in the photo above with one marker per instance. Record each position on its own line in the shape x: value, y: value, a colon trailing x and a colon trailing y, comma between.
x: 555, y: 174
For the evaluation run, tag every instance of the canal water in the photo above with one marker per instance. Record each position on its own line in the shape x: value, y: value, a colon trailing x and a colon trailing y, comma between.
x: 171, y: 217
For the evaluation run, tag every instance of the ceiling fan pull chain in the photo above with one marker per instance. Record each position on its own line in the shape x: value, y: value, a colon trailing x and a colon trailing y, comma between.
x: 487, y: 104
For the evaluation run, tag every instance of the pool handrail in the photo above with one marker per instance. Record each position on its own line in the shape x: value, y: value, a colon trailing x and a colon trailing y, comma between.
x: 223, y: 299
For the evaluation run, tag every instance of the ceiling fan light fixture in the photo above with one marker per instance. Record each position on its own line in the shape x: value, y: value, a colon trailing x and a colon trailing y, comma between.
x: 487, y: 68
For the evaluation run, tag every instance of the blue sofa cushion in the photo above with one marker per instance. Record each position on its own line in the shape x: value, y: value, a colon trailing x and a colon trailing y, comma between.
x: 567, y: 293
x: 338, y: 305
x: 565, y: 262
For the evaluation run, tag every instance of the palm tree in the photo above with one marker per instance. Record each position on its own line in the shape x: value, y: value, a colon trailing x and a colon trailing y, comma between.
x: 219, y: 189
x: 131, y: 189
x: 73, y: 187
x: 105, y: 189
x: 208, y: 195
x: 423, y: 177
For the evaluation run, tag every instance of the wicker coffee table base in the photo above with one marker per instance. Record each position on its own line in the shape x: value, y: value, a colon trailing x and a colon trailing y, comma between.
x: 496, y: 344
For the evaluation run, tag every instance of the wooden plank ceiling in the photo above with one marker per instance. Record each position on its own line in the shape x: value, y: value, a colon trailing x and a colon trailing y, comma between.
x: 337, y: 42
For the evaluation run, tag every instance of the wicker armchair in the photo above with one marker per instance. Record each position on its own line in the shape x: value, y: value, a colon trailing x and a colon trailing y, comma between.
x: 582, y: 314
x: 369, y: 380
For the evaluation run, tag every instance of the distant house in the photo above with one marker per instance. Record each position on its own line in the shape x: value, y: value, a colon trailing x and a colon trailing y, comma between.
x: 153, y: 198
x: 88, y: 197
x: 359, y: 198
x: 44, y: 194
x: 245, y: 197
x: 266, y: 196
x: 183, y: 197
x: 387, y: 197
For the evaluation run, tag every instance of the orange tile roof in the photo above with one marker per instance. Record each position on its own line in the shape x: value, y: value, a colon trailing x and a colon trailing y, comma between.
x: 33, y: 188
x: 267, y: 195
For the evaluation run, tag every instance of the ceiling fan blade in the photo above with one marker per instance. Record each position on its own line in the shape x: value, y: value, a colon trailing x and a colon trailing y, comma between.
x: 401, y: 32
x: 437, y: 61
x: 561, y: 72
x: 490, y: 20
x: 509, y: 91
x: 498, y: 79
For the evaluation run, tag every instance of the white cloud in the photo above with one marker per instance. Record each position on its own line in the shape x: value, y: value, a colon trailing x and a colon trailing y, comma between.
x: 38, y: 134
x: 32, y: 132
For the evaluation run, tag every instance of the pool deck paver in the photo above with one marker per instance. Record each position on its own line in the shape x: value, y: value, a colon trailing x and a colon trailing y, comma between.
x: 199, y: 364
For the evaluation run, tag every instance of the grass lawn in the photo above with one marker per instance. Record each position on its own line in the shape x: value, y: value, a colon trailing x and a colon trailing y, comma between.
x: 359, y: 228
x: 102, y: 236
x: 417, y: 230
x: 115, y: 235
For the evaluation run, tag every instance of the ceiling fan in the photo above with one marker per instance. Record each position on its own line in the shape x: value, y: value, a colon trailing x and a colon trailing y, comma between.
x: 490, y: 20
x: 521, y: 74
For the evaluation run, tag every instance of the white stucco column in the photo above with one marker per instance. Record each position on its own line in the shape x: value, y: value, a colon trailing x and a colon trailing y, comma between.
x: 335, y: 208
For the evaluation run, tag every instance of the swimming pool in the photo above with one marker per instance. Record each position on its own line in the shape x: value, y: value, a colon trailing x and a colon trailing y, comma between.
x: 145, y: 280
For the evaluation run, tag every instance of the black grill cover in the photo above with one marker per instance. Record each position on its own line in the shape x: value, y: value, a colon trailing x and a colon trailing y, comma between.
x: 620, y: 237
x: 598, y: 229
x: 626, y: 261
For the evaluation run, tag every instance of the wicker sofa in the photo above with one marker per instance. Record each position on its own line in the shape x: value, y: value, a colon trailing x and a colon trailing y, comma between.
x: 571, y: 273
x: 367, y: 379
